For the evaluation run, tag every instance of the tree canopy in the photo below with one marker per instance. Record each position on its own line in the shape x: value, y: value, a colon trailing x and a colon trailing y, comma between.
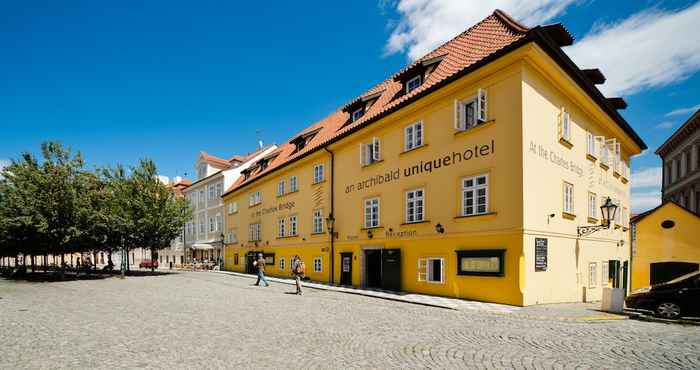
x: 56, y: 206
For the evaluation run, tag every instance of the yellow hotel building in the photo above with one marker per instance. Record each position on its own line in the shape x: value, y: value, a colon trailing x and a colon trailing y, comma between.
x: 465, y: 174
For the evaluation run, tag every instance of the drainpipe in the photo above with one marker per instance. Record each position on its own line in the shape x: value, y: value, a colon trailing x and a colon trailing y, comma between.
x: 331, y: 215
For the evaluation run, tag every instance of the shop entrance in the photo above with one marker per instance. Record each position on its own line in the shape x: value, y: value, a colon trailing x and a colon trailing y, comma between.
x: 249, y: 258
x: 383, y: 268
x: 346, y: 269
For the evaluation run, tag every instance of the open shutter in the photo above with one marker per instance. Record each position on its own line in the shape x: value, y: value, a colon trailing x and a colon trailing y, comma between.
x: 481, y: 105
x: 375, y: 149
x: 560, y: 123
x: 363, y: 154
x: 418, y: 134
x: 422, y: 269
x: 599, y: 143
x: 459, y: 116
x: 617, y: 157
x: 610, y: 150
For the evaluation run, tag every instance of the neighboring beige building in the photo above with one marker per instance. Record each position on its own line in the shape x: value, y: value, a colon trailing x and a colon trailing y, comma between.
x: 204, y: 234
x: 680, y: 154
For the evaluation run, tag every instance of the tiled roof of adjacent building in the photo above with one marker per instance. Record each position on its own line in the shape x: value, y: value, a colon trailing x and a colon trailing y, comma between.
x: 212, y: 159
x: 489, y: 39
x: 690, y: 126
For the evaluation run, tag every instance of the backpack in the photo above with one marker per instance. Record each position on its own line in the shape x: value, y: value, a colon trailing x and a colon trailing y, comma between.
x: 301, y: 268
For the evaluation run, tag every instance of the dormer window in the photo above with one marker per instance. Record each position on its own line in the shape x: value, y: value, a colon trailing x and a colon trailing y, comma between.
x: 302, y: 140
x: 358, y: 113
x: 413, y: 83
x: 202, y: 171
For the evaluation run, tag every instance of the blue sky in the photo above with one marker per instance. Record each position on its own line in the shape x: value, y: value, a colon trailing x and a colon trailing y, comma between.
x: 169, y: 78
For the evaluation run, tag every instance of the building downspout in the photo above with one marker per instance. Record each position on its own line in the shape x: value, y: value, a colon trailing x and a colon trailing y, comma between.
x: 332, y: 216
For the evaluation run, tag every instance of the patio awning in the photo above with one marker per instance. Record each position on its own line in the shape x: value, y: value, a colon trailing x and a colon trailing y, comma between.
x: 202, y: 246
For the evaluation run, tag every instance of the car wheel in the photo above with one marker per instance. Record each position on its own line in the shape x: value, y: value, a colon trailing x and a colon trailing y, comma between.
x: 668, y: 310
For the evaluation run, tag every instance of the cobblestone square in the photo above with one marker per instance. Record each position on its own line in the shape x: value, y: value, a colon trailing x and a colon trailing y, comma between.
x: 205, y: 320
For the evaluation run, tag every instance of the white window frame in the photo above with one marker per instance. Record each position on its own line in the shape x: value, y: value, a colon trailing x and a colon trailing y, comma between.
x: 219, y: 189
x: 318, y: 221
x: 212, y: 191
x: 280, y: 188
x: 232, y: 208
x: 565, y: 125
x: 415, y: 205
x: 604, y: 273
x: 592, y: 205
x: 255, y: 198
x: 370, y: 204
x: 474, y: 188
x: 425, y: 270
x: 281, y: 227
x: 255, y: 232
x: 413, y: 136
x: 568, y: 197
x: 293, y: 186
x: 358, y: 113
x: 282, y: 264
x: 318, y: 173
x: 318, y: 264
x: 592, y: 274
x: 370, y: 152
x: 202, y: 197
x: 293, y: 225
x: 212, y: 226
x: 463, y: 121
x: 591, y: 144
x: 219, y: 222
x: 418, y: 78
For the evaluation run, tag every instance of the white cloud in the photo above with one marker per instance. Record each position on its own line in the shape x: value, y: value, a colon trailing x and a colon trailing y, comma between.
x: 644, y: 201
x: 682, y: 111
x: 646, y: 178
x: 425, y: 24
x: 665, y: 125
x: 649, y: 49
x: 646, y: 189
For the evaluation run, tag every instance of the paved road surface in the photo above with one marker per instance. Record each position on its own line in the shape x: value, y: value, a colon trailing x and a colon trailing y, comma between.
x: 205, y: 320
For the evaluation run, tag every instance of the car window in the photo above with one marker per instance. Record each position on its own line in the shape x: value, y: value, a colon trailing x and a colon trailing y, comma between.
x: 681, y: 278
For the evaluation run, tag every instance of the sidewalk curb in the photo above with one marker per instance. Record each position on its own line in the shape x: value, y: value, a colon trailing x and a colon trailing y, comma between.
x: 319, y: 286
x: 648, y: 318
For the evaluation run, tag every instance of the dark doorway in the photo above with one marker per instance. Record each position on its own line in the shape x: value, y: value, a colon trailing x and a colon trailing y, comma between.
x: 346, y: 269
x: 625, y: 271
x: 391, y: 269
x: 662, y: 272
x: 249, y: 258
x: 373, y: 268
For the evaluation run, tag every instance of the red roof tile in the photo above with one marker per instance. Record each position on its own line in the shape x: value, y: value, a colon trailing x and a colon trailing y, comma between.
x: 473, y: 46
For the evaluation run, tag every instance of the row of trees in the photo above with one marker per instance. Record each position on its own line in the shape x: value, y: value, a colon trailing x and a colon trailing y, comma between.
x: 55, y: 206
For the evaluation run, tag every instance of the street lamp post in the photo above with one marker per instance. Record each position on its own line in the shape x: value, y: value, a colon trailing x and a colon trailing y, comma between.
x: 330, y: 223
x: 607, y: 211
x: 221, y: 259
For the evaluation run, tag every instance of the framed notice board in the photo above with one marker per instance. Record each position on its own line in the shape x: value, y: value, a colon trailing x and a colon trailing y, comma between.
x: 540, y: 254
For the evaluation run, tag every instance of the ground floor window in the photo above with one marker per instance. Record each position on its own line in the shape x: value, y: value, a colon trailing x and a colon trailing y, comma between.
x: 481, y: 262
x: 318, y: 266
x: 605, y: 275
x: 431, y: 269
x: 592, y: 273
x: 282, y: 263
x: 235, y: 259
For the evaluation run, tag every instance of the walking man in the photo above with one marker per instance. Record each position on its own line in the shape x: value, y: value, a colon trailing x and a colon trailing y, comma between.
x: 298, y: 270
x: 260, y: 264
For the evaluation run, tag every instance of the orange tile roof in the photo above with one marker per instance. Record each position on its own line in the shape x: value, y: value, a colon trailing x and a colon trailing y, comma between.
x: 489, y: 39
x: 210, y: 158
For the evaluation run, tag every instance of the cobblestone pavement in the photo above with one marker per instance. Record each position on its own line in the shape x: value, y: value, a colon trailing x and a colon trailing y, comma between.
x: 204, y: 320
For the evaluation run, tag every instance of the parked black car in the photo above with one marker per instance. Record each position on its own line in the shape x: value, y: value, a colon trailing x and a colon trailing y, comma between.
x: 671, y: 300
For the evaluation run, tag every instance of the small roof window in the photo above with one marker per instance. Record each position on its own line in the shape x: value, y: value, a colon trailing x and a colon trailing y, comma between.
x: 413, y: 83
x: 358, y: 113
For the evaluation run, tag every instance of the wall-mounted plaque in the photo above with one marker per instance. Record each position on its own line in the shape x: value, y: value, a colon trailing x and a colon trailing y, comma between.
x: 540, y: 254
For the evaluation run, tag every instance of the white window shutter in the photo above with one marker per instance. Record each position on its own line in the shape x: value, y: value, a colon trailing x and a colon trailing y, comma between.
x: 363, y: 154
x: 422, y: 269
x: 481, y: 105
x: 375, y: 146
x: 459, y: 115
x: 560, y: 123
x: 442, y: 270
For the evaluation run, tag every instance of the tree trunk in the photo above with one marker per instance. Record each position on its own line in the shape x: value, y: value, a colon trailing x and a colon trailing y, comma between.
x: 33, y: 262
x: 153, y: 268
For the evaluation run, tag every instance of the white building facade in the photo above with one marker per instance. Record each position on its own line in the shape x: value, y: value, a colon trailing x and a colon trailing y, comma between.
x: 204, y: 234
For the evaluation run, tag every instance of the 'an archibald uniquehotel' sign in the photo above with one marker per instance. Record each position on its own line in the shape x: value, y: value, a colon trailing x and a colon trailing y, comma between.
x: 429, y: 166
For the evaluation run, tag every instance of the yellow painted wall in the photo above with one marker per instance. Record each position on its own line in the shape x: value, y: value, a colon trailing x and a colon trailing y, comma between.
x: 525, y: 94
x: 548, y: 164
x: 657, y: 244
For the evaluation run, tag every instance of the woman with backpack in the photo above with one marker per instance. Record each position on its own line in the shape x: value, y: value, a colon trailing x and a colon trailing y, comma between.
x: 298, y: 270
